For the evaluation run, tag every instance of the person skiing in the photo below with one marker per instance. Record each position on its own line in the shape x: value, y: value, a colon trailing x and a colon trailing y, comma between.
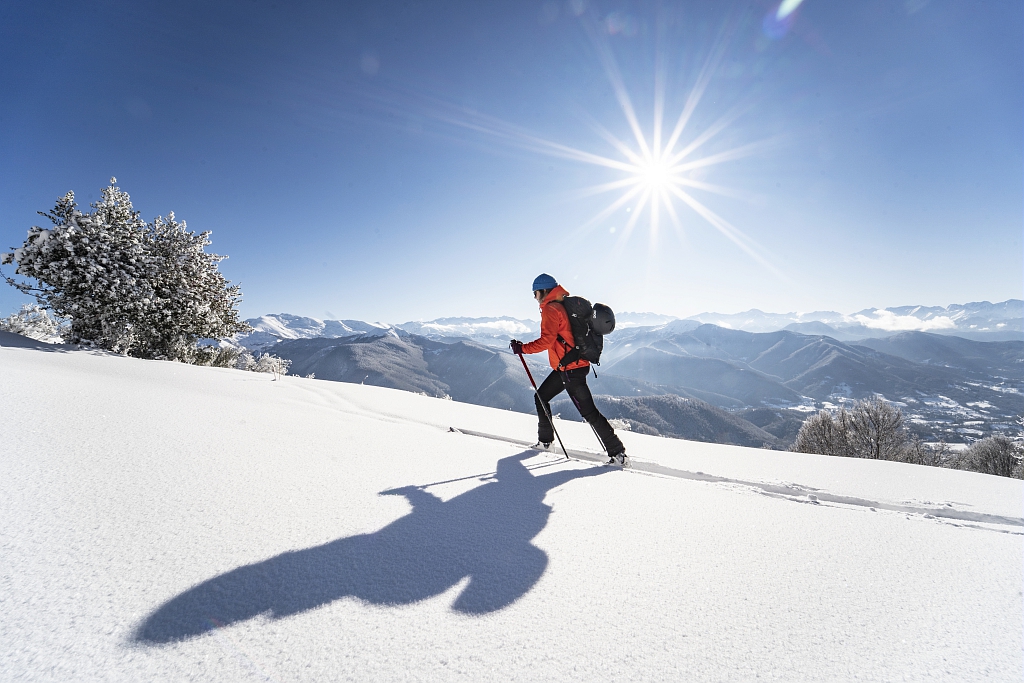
x: 556, y: 338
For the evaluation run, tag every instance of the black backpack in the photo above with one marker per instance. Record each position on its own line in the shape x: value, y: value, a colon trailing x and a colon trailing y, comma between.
x: 589, y: 324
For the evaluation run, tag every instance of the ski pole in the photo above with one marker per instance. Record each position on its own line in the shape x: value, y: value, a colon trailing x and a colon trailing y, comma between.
x: 576, y: 403
x: 547, y: 411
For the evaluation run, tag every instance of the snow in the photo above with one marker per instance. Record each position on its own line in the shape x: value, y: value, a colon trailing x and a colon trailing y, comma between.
x: 171, y: 522
x: 286, y: 326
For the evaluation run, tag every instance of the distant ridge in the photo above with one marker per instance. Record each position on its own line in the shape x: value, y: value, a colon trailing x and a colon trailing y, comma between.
x: 959, y: 382
x: 981, y: 321
x: 270, y: 329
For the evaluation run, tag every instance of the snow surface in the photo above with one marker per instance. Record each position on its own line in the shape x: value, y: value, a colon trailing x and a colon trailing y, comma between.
x: 170, y: 522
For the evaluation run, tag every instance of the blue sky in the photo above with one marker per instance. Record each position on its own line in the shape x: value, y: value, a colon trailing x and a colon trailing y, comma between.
x: 397, y: 161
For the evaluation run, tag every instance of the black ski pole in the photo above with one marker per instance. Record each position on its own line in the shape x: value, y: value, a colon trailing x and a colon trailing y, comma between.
x: 576, y: 403
x: 547, y: 412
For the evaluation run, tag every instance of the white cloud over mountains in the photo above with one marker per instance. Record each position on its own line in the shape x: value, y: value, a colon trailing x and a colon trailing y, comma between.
x: 471, y: 328
x: 881, y: 319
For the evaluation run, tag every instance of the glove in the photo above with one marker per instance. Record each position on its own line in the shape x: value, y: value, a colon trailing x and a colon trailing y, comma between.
x: 516, y: 346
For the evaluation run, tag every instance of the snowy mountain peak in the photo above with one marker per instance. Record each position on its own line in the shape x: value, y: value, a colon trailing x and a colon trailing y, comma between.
x: 275, y: 327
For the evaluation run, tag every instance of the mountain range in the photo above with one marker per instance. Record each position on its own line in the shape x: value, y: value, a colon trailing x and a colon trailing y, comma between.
x: 981, y: 321
x: 684, y: 378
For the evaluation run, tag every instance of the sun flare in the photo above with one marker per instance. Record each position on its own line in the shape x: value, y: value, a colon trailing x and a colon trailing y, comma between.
x: 660, y: 171
x: 659, y: 168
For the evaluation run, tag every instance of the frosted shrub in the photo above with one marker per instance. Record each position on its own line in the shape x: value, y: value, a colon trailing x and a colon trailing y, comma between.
x: 239, y: 359
x: 871, y: 429
x: 877, y: 431
x: 917, y: 452
x: 214, y: 356
x: 224, y: 357
x: 994, y: 455
x: 144, y: 289
x: 33, y: 321
x: 267, y: 362
x: 825, y: 434
x: 264, y: 362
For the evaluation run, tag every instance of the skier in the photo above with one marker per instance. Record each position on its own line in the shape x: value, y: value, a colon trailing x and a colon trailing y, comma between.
x: 556, y: 338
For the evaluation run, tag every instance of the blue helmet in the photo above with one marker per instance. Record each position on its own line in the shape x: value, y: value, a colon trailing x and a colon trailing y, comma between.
x: 544, y: 281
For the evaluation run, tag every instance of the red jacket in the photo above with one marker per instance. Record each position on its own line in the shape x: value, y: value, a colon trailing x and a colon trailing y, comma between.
x: 554, y: 321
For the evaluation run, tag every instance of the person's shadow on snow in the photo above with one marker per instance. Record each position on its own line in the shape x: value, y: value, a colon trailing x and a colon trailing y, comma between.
x: 484, y: 534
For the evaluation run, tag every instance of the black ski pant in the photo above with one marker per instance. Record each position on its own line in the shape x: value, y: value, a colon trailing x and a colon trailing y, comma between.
x: 574, y: 382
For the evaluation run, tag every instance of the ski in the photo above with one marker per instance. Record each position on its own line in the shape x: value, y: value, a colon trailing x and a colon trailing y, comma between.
x: 581, y: 456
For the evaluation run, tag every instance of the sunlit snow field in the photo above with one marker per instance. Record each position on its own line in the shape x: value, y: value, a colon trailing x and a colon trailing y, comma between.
x: 170, y: 522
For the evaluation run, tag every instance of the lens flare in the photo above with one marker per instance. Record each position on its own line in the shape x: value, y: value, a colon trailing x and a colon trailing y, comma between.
x: 777, y: 24
x: 786, y: 8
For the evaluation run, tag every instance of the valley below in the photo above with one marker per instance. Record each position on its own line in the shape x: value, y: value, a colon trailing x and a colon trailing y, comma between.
x: 682, y: 378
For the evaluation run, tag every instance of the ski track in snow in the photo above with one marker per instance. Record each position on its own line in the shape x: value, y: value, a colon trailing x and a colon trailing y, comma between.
x: 168, y: 522
x: 791, y: 492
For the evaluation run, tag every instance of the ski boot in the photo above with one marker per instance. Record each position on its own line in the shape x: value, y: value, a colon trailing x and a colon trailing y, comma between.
x: 617, y: 459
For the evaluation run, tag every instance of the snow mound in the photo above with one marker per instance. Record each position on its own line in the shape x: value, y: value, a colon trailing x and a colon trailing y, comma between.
x: 172, y: 522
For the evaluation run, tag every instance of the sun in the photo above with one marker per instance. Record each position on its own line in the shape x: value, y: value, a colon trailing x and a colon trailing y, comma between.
x: 660, y: 169
x: 655, y: 175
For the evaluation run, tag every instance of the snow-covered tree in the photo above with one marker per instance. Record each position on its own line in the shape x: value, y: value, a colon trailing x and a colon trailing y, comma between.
x: 145, y: 289
x: 189, y: 292
x: 32, y: 321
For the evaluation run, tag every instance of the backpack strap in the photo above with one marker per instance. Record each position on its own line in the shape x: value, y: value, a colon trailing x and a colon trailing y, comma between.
x: 571, y: 352
x: 571, y: 355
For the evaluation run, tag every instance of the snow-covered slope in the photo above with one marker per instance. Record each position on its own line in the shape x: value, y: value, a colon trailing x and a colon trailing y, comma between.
x: 270, y: 329
x: 171, y: 522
